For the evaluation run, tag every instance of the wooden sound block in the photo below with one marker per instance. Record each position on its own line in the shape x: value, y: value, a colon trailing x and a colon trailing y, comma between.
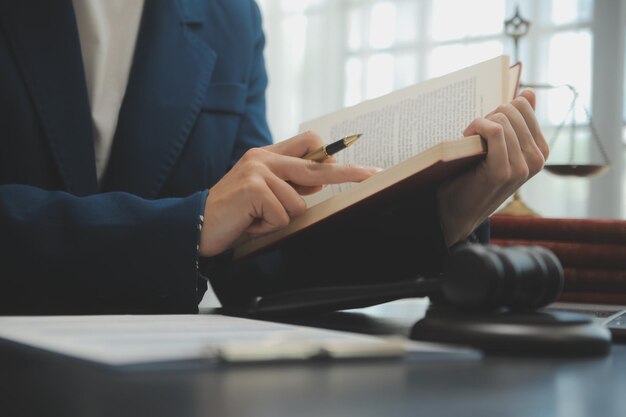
x: 541, y: 333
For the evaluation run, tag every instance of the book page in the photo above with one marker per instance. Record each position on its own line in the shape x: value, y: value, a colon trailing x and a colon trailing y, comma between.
x: 409, y: 121
x: 514, y: 80
x: 127, y: 340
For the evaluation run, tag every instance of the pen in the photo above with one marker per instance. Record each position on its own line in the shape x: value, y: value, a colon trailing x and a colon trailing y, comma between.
x: 326, y: 151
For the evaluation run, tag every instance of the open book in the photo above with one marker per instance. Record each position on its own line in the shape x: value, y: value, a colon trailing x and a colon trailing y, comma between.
x: 414, y: 134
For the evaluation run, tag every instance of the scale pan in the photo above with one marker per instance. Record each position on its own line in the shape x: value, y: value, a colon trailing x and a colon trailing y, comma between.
x: 572, y: 170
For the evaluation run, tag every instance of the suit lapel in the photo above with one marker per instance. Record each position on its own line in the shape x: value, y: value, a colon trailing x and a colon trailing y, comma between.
x: 45, y: 43
x: 168, y: 81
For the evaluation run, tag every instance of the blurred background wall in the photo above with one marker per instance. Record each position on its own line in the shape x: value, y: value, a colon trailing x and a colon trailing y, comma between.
x: 326, y: 54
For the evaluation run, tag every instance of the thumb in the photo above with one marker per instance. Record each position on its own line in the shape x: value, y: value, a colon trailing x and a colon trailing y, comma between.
x: 529, y: 94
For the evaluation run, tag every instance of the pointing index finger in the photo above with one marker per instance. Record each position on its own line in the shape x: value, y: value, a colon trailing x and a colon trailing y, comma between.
x: 310, y: 173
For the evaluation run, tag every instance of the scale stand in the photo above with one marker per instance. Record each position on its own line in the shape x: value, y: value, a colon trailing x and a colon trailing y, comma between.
x: 517, y: 27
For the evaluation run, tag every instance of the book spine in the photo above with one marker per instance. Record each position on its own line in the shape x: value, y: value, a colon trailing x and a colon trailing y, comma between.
x: 599, y: 280
x: 580, y: 230
x: 574, y: 254
x: 593, y: 297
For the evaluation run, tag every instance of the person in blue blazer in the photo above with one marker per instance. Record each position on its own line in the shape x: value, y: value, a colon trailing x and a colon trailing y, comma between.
x: 191, y: 168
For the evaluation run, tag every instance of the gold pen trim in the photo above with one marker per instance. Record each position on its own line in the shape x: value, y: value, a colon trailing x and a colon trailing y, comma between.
x: 320, y: 154
x: 317, y: 155
x: 349, y: 140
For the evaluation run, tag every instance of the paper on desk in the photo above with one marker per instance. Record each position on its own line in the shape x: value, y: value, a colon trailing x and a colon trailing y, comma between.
x: 138, y: 339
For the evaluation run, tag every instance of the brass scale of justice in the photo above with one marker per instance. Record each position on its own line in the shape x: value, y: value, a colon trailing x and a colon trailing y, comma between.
x: 516, y: 28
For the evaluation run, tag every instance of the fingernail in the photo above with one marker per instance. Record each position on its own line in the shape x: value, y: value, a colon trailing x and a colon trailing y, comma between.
x: 373, y: 170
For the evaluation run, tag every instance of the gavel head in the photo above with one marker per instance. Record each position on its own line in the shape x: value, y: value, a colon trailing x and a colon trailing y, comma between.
x: 519, y: 278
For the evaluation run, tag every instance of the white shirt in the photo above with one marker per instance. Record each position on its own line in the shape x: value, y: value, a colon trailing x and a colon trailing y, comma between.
x: 108, y: 34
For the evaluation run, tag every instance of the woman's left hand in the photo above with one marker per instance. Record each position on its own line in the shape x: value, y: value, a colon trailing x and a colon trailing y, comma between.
x: 517, y: 151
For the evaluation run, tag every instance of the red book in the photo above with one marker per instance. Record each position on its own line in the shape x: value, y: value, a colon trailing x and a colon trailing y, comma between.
x: 593, y: 297
x: 578, y: 230
x: 574, y: 254
x: 586, y: 279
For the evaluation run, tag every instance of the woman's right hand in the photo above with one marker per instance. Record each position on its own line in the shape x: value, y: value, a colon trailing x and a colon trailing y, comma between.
x: 262, y: 192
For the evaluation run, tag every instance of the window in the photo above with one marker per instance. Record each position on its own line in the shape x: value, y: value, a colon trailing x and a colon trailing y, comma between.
x: 323, y: 55
x: 391, y: 44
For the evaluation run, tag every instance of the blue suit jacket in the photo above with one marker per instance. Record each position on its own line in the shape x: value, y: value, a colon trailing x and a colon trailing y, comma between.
x: 194, y: 104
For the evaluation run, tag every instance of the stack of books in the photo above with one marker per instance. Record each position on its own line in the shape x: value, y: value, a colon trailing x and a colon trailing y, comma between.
x: 592, y: 251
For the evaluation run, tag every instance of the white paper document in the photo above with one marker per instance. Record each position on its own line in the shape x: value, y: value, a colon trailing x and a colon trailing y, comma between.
x: 138, y: 339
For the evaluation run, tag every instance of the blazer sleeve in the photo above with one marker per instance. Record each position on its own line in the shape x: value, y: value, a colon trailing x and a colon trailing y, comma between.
x: 63, y: 254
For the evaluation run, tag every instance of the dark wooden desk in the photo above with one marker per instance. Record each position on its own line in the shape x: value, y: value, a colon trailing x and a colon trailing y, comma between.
x: 32, y: 383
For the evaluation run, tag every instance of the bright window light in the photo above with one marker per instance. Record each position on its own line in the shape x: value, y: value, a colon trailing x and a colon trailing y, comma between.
x: 448, y: 58
x: 453, y: 19
x: 568, y: 11
x: 407, y: 28
x: 569, y: 63
x: 406, y: 70
x: 382, y: 25
x: 380, y: 72
x: 355, y: 28
x: 354, y: 81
